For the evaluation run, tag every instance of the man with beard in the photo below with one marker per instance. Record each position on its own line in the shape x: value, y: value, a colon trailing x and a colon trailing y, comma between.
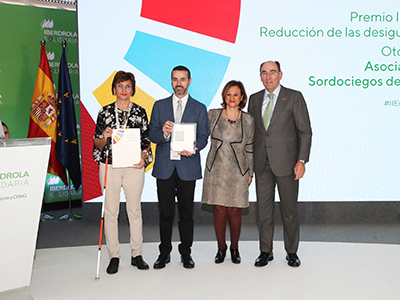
x: 177, y: 173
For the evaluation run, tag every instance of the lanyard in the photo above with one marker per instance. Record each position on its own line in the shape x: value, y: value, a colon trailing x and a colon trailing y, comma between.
x: 127, y: 116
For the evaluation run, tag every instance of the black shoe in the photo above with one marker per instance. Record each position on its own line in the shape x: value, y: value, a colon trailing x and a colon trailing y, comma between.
x: 139, y: 263
x: 161, y: 261
x: 220, y: 256
x: 293, y: 260
x: 235, y: 256
x: 187, y: 261
x: 263, y: 259
x: 113, y: 265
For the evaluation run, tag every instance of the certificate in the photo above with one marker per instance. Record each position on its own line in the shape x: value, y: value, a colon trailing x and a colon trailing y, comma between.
x: 183, y: 137
x: 126, y: 149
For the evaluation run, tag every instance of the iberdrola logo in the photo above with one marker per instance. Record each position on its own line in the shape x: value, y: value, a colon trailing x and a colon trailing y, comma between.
x: 14, y: 179
x: 14, y: 175
x: 47, y: 24
x: 50, y: 55
x: 53, y: 180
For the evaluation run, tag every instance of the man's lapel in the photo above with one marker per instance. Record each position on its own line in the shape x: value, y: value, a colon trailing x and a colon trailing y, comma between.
x: 188, y: 109
x: 279, y: 106
x: 169, y: 110
x: 258, y: 110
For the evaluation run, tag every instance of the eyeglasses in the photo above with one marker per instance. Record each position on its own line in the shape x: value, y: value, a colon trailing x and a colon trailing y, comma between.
x: 265, y: 73
x: 126, y: 87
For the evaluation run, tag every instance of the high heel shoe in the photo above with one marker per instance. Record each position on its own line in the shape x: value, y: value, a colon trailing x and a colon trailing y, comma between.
x: 220, y: 257
x: 235, y: 256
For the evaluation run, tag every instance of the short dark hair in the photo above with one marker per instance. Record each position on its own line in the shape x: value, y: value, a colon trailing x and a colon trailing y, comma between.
x: 4, y: 124
x: 181, y: 68
x: 276, y: 62
x: 123, y: 76
x: 240, y: 85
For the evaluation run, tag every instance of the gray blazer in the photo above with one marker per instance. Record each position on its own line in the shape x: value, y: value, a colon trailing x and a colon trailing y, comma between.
x: 242, y: 148
x: 288, y: 137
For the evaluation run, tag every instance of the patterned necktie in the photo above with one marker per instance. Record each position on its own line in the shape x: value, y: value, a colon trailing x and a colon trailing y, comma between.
x: 268, y: 111
x: 179, y: 112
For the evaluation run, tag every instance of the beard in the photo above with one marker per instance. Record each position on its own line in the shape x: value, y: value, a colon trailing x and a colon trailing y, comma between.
x: 179, y: 90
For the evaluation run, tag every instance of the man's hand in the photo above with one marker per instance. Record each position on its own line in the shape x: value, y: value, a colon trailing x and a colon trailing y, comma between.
x: 143, y: 157
x: 167, y: 128
x: 299, y: 170
x: 139, y: 165
x: 187, y: 153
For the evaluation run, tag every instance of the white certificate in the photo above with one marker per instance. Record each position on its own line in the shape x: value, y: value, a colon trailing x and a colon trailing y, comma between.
x: 183, y: 137
x: 126, y: 150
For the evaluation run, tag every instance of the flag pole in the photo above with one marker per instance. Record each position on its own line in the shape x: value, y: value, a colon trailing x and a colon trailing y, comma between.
x: 69, y: 216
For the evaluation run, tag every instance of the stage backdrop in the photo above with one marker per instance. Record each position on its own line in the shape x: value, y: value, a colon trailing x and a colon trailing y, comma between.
x: 342, y: 55
x: 22, y: 28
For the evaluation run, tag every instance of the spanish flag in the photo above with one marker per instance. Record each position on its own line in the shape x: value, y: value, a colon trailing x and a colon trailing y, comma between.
x: 43, y: 118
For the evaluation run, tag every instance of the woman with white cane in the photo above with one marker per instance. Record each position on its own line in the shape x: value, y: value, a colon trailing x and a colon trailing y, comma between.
x: 122, y: 114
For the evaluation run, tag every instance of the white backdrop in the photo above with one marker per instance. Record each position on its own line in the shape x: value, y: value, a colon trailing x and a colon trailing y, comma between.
x: 354, y: 110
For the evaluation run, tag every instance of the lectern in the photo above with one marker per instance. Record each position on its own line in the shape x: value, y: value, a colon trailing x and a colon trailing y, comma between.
x: 23, y: 168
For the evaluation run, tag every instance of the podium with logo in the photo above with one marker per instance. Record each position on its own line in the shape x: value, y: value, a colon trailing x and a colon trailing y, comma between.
x: 23, y: 169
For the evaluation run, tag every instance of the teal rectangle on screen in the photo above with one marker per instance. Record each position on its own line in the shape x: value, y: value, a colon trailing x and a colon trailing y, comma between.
x: 156, y: 57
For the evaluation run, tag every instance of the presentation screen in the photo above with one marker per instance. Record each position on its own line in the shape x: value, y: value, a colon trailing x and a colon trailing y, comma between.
x: 344, y: 56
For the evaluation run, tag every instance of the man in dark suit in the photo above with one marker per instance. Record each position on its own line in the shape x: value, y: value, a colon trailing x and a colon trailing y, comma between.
x: 282, y: 142
x: 176, y: 173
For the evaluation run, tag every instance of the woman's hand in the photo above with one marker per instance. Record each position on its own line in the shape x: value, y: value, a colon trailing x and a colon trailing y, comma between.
x: 107, y: 133
x: 100, y: 143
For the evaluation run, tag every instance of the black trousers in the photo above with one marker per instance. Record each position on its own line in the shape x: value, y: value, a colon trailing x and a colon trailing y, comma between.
x: 167, y: 190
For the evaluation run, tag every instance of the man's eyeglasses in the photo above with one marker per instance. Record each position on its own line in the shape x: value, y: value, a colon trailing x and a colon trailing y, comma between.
x: 265, y: 73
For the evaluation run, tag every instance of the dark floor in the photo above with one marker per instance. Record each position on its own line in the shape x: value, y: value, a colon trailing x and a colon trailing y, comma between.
x: 327, y: 222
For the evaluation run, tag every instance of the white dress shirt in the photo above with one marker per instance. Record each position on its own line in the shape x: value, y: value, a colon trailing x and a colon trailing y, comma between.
x: 175, y: 106
x: 175, y: 103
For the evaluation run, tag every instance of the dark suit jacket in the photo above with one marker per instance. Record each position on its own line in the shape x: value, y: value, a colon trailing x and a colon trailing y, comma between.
x: 188, y: 168
x: 242, y: 148
x: 288, y: 137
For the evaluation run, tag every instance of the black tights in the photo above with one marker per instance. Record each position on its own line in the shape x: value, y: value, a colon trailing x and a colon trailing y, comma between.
x: 234, y: 216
